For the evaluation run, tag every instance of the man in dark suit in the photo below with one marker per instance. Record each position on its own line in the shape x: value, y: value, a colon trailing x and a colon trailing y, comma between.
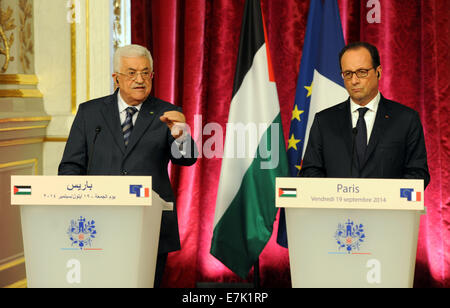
x: 366, y: 136
x: 132, y: 133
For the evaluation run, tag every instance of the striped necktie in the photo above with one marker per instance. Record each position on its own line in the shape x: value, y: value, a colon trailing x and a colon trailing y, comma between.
x: 127, y: 125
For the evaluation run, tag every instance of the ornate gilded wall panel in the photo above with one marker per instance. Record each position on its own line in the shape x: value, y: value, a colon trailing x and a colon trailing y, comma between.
x: 23, y: 124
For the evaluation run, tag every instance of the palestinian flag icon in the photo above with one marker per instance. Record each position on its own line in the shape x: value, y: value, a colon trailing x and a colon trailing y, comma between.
x: 22, y: 190
x: 287, y: 192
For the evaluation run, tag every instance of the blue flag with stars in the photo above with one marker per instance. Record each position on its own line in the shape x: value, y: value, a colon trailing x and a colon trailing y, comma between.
x: 319, y: 84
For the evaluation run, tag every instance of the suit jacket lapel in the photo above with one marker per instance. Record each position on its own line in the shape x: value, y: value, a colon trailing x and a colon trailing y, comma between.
x: 145, y: 117
x: 381, y: 120
x: 110, y: 113
x: 346, y: 125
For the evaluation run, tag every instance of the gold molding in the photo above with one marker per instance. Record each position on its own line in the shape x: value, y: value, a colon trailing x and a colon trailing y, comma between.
x: 21, y: 93
x: 21, y: 284
x: 25, y: 119
x: 55, y: 139
x: 9, y: 129
x: 20, y: 79
x: 12, y: 263
x: 73, y: 57
x: 24, y: 141
x: 33, y: 161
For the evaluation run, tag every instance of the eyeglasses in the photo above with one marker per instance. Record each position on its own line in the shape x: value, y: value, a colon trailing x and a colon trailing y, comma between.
x: 361, y: 73
x: 133, y: 75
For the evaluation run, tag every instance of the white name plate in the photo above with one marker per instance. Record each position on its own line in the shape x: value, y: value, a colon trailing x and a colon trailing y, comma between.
x: 350, y: 193
x: 82, y: 190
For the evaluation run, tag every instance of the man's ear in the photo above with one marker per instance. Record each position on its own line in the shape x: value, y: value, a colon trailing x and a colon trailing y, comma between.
x: 116, y: 80
x: 379, y: 72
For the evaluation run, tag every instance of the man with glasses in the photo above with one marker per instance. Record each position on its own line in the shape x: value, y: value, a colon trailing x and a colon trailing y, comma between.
x: 132, y: 133
x: 367, y: 136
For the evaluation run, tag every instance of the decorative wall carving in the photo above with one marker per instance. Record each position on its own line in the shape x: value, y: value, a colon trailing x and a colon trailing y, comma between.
x: 26, y: 34
x: 117, y: 26
x: 6, y: 25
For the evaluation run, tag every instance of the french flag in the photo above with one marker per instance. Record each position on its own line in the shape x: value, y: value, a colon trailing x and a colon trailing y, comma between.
x: 319, y: 83
x: 416, y: 196
x: 144, y: 192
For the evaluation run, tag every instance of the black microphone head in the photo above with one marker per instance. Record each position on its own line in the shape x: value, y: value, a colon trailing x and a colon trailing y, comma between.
x: 98, y: 129
x: 354, y: 131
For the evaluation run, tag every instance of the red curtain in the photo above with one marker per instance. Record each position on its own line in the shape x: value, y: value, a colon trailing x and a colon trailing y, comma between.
x: 194, y: 44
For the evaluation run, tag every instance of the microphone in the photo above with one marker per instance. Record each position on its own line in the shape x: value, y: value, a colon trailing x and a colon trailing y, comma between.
x: 98, y: 129
x: 354, y: 133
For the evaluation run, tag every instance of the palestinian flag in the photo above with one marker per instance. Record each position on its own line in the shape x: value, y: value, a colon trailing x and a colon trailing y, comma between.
x: 245, y: 205
x: 22, y: 190
x: 287, y: 192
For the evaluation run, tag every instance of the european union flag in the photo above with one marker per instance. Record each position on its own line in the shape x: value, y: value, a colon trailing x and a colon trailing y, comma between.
x: 319, y: 84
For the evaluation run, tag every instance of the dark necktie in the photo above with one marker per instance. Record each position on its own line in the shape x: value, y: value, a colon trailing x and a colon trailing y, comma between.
x: 127, y: 125
x: 361, y: 136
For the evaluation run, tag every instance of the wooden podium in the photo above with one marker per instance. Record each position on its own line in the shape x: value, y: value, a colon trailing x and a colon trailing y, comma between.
x: 351, y: 232
x: 88, y: 231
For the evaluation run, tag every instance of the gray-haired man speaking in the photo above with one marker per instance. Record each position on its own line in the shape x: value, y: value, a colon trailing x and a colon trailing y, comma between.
x: 133, y: 134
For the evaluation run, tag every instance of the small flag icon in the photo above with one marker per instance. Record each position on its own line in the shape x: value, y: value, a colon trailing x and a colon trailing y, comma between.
x: 140, y: 191
x: 22, y: 190
x: 410, y: 194
x: 287, y: 192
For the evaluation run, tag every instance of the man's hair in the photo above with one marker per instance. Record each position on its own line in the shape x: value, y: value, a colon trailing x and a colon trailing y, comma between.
x: 131, y: 51
x: 357, y: 45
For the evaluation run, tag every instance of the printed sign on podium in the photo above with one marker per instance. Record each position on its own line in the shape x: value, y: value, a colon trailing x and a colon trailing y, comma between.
x: 351, y: 232
x: 88, y: 231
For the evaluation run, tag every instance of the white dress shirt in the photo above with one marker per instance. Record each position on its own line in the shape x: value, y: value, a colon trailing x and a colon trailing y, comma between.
x: 369, y: 116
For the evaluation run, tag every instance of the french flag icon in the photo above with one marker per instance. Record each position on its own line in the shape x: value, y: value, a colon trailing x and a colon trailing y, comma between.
x: 410, y: 194
x: 140, y: 191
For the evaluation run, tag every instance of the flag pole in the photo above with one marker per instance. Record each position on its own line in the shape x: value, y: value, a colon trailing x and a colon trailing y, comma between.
x: 256, y: 277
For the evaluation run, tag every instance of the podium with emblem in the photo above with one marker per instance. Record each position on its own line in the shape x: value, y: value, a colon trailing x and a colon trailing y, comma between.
x: 89, y: 231
x: 351, y: 232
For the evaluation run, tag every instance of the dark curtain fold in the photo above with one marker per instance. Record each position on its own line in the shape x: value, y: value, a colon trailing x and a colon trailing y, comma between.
x: 194, y: 44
